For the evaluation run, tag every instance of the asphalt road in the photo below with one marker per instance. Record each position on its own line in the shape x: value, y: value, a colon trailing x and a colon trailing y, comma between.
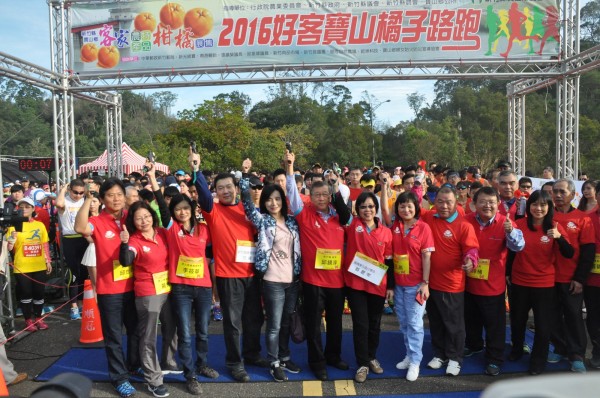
x: 33, y: 353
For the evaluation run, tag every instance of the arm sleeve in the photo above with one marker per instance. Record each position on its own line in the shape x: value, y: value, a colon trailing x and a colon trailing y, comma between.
x: 205, y: 198
x: 47, y: 252
x: 515, y: 240
x: 565, y: 248
x: 510, y: 259
x: 126, y: 256
x: 165, y: 215
x: 587, y: 254
x: 391, y: 281
x: 251, y: 212
x: 342, y: 210
x: 293, y: 195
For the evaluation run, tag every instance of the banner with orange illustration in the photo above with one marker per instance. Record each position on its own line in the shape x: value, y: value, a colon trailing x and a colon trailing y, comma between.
x: 215, y: 35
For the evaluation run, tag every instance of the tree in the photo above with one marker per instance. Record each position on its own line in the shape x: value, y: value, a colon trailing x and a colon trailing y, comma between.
x: 590, y: 24
x: 164, y: 101
x: 237, y: 98
x: 415, y: 102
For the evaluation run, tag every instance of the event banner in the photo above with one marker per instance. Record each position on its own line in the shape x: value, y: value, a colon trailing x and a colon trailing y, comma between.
x: 121, y: 36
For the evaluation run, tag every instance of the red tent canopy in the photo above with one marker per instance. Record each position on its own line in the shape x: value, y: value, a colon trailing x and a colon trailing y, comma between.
x: 132, y: 161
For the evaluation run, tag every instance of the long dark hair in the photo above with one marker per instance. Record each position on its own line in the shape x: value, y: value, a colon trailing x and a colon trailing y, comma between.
x: 407, y: 197
x: 266, y: 194
x: 542, y: 197
x: 583, y: 202
x: 131, y: 213
x: 175, y: 200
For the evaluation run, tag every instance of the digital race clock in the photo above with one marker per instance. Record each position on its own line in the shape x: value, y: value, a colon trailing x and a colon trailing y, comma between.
x: 36, y: 164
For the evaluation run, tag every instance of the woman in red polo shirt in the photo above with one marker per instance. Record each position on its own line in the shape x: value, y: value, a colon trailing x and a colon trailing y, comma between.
x: 369, y: 246
x: 532, y: 278
x: 146, y: 248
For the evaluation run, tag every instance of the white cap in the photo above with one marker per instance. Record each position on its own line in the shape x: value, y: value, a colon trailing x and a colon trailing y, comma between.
x: 29, y: 201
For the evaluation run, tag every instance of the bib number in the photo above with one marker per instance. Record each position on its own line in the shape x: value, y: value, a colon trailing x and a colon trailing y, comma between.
x: 121, y: 272
x: 482, y: 271
x: 328, y: 259
x: 190, y: 267
x: 32, y: 250
x: 596, y: 266
x: 401, y: 264
x: 245, y: 251
x: 161, y: 282
x: 367, y: 268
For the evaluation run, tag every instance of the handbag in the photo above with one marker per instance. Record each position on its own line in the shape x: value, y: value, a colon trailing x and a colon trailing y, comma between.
x: 297, y: 329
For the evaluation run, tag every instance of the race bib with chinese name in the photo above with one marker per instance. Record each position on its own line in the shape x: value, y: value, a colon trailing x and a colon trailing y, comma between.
x: 367, y: 268
x: 328, y: 259
x: 401, y: 264
x: 482, y: 271
x: 245, y: 251
x: 596, y: 266
x: 190, y: 267
x: 121, y: 272
x: 161, y: 282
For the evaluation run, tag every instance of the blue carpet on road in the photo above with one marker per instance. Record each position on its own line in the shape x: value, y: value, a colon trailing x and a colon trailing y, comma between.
x: 91, y: 362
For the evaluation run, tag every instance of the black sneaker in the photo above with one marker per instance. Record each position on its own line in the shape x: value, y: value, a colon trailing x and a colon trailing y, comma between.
x: 193, y: 386
x: 469, y: 352
x: 207, y: 371
x: 278, y: 373
x: 492, y: 370
x: 240, y: 375
x: 159, y: 391
x: 289, y: 366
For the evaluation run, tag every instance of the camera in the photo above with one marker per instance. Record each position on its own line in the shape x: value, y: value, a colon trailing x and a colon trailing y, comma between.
x: 11, y: 217
x: 288, y: 146
x: 150, y: 158
x: 194, y: 149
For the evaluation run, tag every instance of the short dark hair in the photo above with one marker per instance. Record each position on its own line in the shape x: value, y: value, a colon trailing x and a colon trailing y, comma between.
x: 224, y: 176
x: 407, y: 197
x: 109, y: 184
x: 320, y: 184
x: 406, y: 177
x: 486, y: 191
x: 17, y: 188
x: 171, y: 192
x: 131, y: 213
x: 266, y: 194
x: 525, y: 179
x: 78, y: 183
x: 278, y: 172
x: 362, y: 198
x: 146, y: 195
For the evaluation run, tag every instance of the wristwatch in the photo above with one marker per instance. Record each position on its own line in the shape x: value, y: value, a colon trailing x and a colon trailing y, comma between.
x: 425, y: 282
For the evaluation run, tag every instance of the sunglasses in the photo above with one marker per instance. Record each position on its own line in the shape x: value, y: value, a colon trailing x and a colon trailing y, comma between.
x: 257, y: 187
x: 78, y: 192
x: 370, y: 207
x: 461, y: 187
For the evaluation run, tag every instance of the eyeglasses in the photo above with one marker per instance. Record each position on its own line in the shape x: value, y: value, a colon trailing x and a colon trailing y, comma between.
x: 320, y: 195
x: 77, y: 192
x: 525, y: 186
x: 365, y: 207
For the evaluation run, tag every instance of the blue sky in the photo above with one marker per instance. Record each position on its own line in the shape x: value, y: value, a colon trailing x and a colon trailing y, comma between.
x: 25, y: 34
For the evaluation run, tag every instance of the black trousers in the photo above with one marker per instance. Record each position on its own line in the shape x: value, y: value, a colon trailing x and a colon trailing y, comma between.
x: 366, y: 323
x: 317, y: 299
x: 486, y: 312
x: 242, y: 315
x: 31, y: 293
x: 568, y: 334
x: 73, y: 250
x: 543, y: 302
x: 446, y: 312
x: 592, y: 305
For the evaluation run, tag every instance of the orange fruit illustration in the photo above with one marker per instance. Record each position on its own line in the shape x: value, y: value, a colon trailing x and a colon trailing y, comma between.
x: 89, y: 52
x: 171, y: 14
x: 200, y: 20
x: 108, y: 57
x: 144, y: 21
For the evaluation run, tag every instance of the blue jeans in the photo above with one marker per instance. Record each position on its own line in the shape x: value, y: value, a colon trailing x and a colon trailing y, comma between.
x: 280, y: 302
x: 410, y: 316
x: 116, y: 310
x: 184, y: 299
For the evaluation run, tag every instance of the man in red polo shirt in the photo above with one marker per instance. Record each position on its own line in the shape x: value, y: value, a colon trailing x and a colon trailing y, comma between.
x: 238, y: 287
x: 569, y: 337
x: 485, y: 287
x: 114, y: 283
x: 456, y: 252
x: 322, y: 244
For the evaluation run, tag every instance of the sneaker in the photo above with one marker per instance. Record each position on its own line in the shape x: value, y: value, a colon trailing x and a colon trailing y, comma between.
x: 526, y: 349
x: 29, y: 326
x: 18, y: 313
x: 361, y: 374
x: 159, y: 391
x: 260, y: 362
x: 193, y: 386
x: 240, y: 375
x: 469, y: 352
x: 207, y: 371
x: 405, y: 364
x: 413, y: 372
x: 217, y: 313
x: 278, y: 373
x: 595, y: 362
x: 554, y: 357
x: 436, y: 363
x: 289, y: 366
x: 453, y: 368
x: 375, y: 367
x: 75, y: 316
x: 171, y: 370
x: 21, y: 377
x: 125, y: 389
x: 578, y: 367
x: 41, y: 325
x: 492, y: 370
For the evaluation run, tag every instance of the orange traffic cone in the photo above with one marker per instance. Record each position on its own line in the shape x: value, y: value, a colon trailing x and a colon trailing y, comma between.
x: 91, y: 329
x: 3, y: 389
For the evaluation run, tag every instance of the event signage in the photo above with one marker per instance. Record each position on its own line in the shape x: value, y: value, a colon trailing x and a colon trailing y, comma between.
x: 121, y: 36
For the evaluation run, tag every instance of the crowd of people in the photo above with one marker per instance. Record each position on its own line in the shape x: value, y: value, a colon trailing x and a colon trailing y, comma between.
x: 247, y: 246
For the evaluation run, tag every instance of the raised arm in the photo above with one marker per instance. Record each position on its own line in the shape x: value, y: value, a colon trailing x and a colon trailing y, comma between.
x: 251, y: 211
x: 165, y: 214
x: 292, y: 193
x: 60, y: 198
x: 205, y: 199
x: 82, y: 225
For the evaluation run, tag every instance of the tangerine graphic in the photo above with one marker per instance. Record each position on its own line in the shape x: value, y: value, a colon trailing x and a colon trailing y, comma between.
x: 89, y: 52
x: 108, y: 57
x: 200, y: 20
x: 144, y: 21
x: 171, y: 14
